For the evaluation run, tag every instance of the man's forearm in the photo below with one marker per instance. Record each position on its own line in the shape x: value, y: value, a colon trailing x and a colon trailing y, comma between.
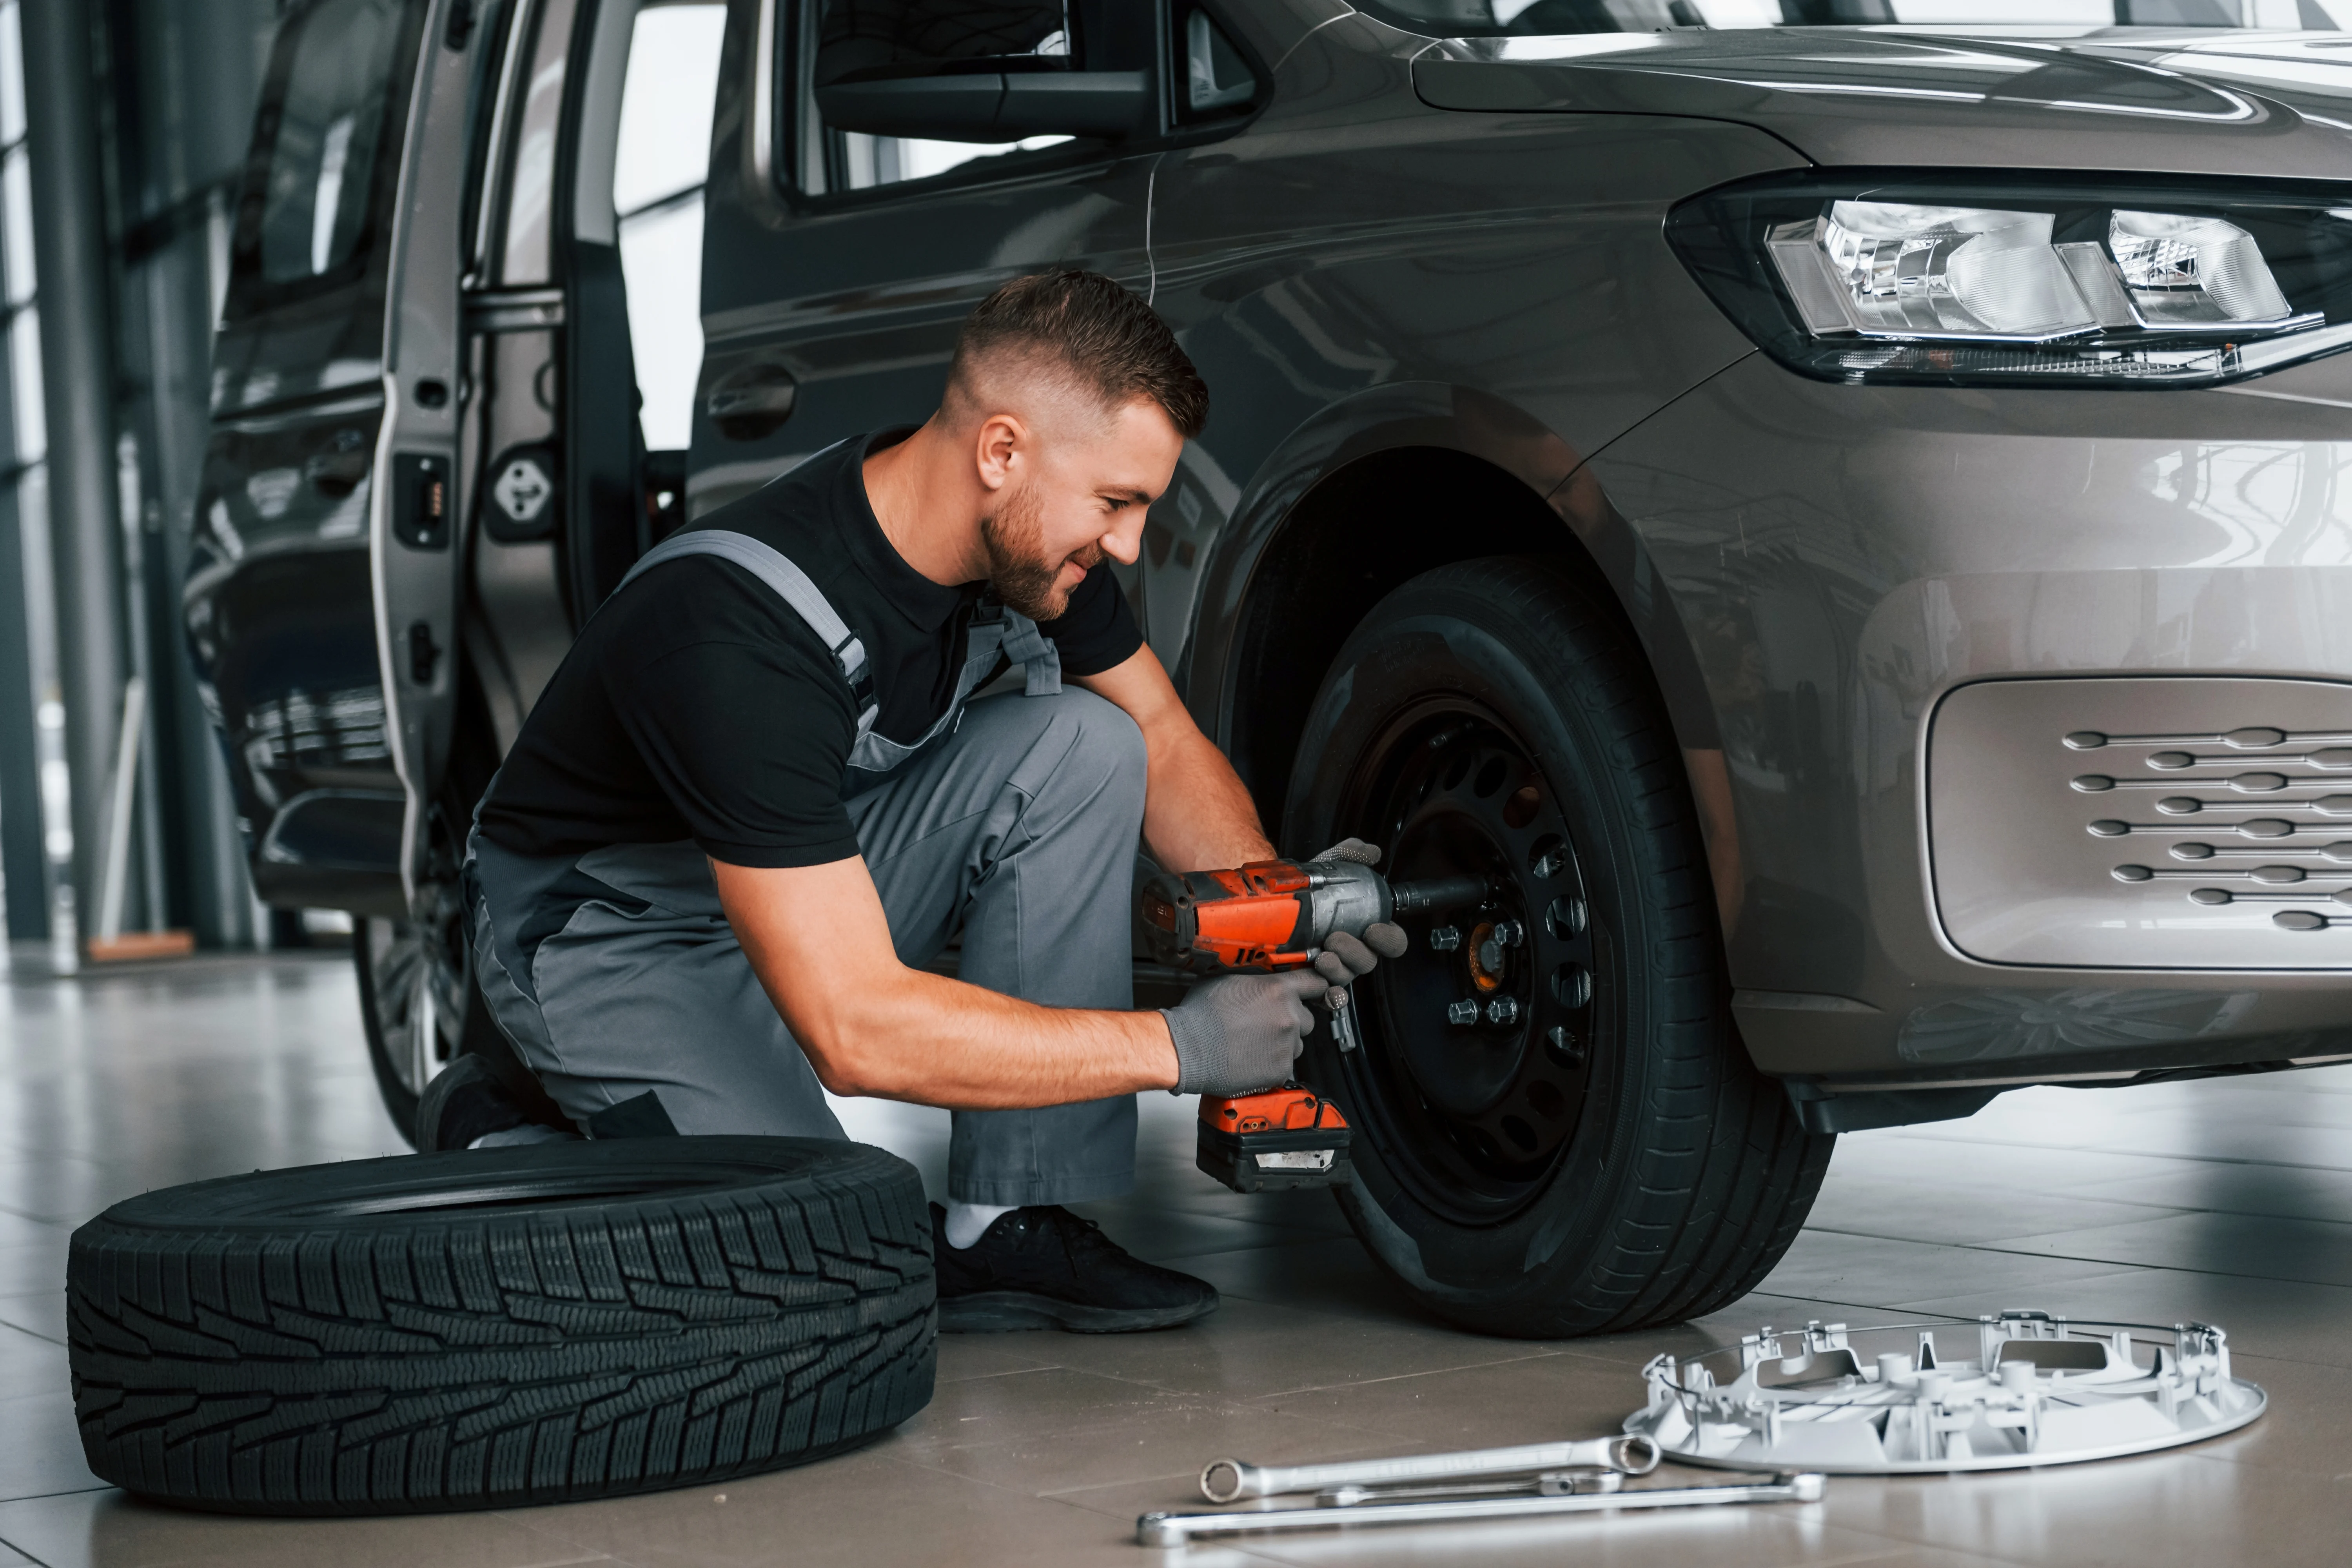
x: 937, y: 1041
x: 871, y: 1026
x: 1197, y: 814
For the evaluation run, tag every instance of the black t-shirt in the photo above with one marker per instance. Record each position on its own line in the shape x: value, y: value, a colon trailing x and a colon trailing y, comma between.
x: 697, y: 704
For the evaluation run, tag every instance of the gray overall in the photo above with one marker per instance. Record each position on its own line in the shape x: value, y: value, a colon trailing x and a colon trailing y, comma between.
x: 617, y: 976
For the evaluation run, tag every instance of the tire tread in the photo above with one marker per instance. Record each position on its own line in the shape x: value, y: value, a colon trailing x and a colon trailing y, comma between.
x: 530, y: 1355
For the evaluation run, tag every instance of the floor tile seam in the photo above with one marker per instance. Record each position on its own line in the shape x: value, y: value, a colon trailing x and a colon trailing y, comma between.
x: 1062, y: 1496
x: 1374, y: 1437
x: 1007, y: 1372
x: 2120, y: 1264
x: 2345, y: 1226
x: 95, y: 1486
x: 38, y: 1562
x: 1992, y: 1196
x: 1401, y: 1376
x: 2141, y: 1154
x: 1996, y: 1240
x: 520, y: 1522
x: 2108, y: 1271
x: 1165, y: 1258
x: 1238, y: 1547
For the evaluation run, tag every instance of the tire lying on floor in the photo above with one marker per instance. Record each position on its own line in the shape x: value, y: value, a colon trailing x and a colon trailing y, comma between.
x: 1557, y: 1129
x: 500, y: 1327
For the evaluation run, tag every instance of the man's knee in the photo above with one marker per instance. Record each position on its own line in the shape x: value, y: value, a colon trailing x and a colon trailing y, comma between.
x: 1108, y: 737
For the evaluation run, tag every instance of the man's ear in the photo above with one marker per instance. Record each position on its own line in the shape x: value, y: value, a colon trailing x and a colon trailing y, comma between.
x: 1002, y: 449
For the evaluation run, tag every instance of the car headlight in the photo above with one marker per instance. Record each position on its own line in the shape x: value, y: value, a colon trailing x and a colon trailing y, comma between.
x: 1943, y: 278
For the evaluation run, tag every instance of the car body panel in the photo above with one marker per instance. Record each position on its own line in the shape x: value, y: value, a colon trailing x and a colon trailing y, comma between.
x: 1911, y: 540
x: 2181, y: 105
x: 1460, y: 301
x: 280, y: 599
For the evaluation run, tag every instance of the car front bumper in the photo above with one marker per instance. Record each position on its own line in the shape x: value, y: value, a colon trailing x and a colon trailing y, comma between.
x: 1896, y: 605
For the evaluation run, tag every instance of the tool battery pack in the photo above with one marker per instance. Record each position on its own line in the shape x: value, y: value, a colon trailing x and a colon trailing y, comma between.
x: 1270, y: 1142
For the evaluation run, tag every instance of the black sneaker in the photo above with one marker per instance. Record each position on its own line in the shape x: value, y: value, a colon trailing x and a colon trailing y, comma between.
x: 464, y: 1102
x: 1045, y: 1267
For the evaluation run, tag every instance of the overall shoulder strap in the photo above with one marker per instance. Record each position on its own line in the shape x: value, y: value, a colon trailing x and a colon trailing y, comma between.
x: 789, y: 582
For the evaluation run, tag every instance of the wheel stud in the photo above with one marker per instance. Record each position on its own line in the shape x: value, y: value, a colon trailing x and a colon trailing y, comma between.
x: 1444, y: 939
x: 1462, y: 1014
x: 1503, y: 1010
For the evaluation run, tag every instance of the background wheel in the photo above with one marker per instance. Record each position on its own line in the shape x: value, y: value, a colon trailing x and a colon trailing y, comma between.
x: 499, y: 1328
x: 418, y: 1002
x: 1557, y: 1129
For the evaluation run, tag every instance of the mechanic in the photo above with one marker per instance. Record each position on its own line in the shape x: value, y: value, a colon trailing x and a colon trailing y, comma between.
x: 756, y: 797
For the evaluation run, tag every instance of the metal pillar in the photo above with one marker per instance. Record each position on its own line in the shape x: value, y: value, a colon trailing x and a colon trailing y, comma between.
x: 69, y: 258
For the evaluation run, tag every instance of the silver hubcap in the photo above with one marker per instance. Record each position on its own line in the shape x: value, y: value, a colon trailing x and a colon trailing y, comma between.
x: 418, y: 975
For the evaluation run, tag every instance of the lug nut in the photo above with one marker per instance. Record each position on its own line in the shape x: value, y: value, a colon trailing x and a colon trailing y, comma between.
x: 1503, y: 1010
x: 1462, y: 1014
x: 1444, y: 939
x: 1509, y: 933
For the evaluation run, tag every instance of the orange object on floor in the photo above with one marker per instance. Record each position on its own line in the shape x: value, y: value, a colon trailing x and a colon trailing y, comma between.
x: 135, y: 944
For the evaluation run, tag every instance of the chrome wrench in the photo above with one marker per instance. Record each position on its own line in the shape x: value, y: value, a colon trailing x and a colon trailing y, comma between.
x: 1229, y: 1480
x: 1177, y: 1529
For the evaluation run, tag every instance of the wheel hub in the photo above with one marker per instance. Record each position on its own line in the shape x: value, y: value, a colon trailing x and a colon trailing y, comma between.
x: 1479, y: 1032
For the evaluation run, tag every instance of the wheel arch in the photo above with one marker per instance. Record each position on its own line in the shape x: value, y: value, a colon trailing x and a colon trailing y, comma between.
x: 1341, y: 514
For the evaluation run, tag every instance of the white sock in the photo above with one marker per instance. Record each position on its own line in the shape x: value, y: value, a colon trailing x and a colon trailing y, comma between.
x: 967, y: 1221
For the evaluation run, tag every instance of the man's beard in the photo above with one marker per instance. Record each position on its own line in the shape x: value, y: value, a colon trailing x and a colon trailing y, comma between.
x: 1017, y: 568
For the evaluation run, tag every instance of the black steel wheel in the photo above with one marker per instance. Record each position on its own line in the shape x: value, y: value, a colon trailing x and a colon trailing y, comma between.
x: 1557, y: 1129
x: 1487, y: 1019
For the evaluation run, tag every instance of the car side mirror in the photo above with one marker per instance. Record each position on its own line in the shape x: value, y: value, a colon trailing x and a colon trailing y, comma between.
x: 992, y: 106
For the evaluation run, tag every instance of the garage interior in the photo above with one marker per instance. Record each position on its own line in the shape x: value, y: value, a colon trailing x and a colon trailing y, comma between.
x: 2228, y: 1200
x: 160, y: 1025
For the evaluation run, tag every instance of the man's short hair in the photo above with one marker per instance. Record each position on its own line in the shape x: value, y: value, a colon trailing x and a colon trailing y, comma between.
x: 1098, y: 335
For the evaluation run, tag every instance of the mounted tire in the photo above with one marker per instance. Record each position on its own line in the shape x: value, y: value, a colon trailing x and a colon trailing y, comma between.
x: 491, y: 1329
x: 1594, y: 1151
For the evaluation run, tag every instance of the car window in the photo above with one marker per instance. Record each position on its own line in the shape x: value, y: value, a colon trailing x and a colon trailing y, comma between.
x: 323, y: 162
x: 855, y: 38
x: 658, y: 168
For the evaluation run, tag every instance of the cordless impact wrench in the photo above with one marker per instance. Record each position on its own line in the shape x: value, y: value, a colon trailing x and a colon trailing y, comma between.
x: 1261, y: 919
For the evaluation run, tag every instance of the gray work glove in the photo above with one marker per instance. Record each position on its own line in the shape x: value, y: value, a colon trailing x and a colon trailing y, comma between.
x: 1345, y: 958
x: 1239, y: 1033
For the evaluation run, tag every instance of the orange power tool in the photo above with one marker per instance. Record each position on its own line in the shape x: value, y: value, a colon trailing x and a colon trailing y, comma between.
x: 1257, y: 919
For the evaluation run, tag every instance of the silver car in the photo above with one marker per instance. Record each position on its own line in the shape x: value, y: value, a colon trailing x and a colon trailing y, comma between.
x: 1839, y: 524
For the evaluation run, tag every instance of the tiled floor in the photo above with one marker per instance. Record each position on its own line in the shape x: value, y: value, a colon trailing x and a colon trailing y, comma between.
x: 2229, y: 1200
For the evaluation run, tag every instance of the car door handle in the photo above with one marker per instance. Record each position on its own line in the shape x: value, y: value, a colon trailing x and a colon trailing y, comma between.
x: 752, y: 400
